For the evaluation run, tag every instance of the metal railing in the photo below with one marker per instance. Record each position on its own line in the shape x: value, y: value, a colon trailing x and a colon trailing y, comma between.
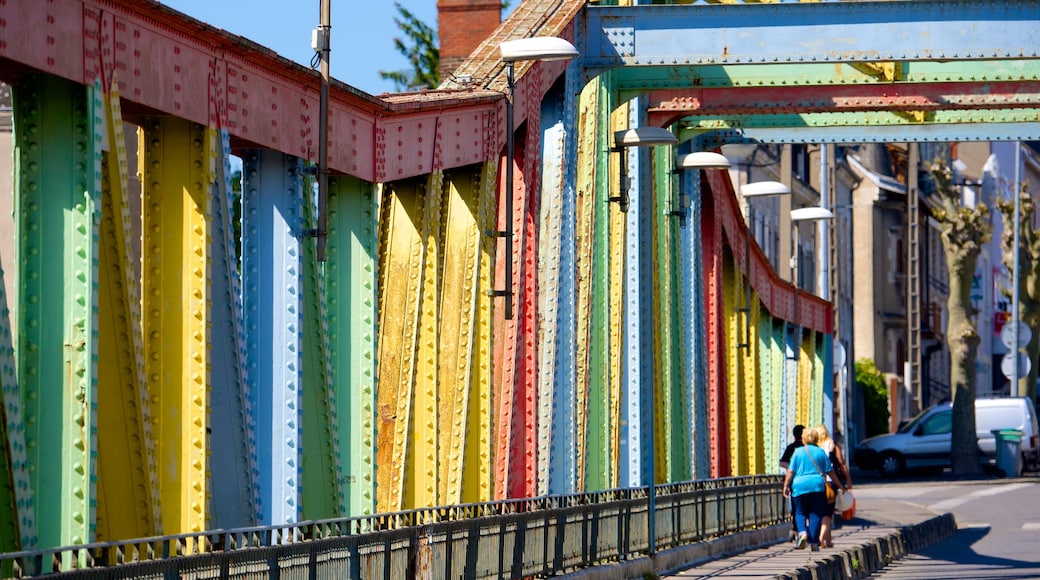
x: 503, y: 539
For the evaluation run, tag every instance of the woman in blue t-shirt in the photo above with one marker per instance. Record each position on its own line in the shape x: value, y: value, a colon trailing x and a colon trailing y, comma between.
x: 804, y: 483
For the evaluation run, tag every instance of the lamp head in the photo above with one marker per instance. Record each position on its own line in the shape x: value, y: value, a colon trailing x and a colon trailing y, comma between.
x: 703, y: 160
x: 764, y: 189
x: 537, y: 48
x: 644, y: 137
x: 804, y: 214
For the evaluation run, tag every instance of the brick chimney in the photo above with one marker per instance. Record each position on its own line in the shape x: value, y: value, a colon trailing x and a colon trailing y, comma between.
x: 462, y: 25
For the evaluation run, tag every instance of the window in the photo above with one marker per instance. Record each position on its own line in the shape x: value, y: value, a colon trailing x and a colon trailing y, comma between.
x: 938, y: 424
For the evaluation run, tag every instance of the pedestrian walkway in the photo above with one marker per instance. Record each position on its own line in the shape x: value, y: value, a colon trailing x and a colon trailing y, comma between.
x: 880, y: 533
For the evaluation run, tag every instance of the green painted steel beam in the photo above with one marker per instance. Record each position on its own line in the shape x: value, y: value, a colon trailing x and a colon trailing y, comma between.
x: 861, y: 119
x: 57, y: 184
x: 350, y: 292
x: 632, y: 81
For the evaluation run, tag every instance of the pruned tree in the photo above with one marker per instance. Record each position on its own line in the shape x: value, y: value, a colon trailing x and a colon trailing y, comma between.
x: 419, y: 46
x: 964, y: 230
x: 1028, y: 275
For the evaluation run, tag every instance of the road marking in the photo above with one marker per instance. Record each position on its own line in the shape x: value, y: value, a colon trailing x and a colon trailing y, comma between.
x: 1031, y: 526
x: 956, y: 501
x: 971, y: 525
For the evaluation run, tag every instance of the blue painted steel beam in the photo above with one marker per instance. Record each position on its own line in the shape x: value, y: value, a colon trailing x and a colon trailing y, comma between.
x: 272, y: 277
x: 834, y: 32
x: 236, y: 498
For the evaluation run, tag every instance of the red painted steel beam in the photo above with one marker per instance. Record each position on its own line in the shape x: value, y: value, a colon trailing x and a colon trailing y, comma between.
x: 168, y: 63
x: 668, y: 106
x: 776, y: 294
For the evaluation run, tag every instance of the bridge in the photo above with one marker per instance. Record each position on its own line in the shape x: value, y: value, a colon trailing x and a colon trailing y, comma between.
x: 175, y: 362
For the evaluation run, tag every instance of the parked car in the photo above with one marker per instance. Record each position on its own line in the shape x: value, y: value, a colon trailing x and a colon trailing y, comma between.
x: 924, y: 442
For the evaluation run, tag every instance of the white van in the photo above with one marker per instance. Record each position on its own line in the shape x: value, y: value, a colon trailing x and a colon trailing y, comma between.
x: 924, y: 442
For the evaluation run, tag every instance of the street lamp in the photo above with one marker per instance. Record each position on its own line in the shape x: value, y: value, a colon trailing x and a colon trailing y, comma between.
x: 749, y: 191
x: 637, y: 137
x: 698, y: 160
x: 535, y: 48
x: 802, y: 214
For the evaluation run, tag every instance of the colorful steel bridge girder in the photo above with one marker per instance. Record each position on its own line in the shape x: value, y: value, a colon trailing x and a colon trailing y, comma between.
x: 387, y: 378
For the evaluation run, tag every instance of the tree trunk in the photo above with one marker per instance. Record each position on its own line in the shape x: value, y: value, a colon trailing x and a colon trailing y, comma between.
x: 964, y: 345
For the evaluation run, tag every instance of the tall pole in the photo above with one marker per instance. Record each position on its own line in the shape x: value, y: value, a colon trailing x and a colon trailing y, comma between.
x: 508, y: 235
x: 323, y: 127
x: 1015, y: 268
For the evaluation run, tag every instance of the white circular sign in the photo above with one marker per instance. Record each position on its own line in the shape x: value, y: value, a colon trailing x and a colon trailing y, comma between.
x: 1007, y: 335
x: 839, y: 355
x: 1007, y: 365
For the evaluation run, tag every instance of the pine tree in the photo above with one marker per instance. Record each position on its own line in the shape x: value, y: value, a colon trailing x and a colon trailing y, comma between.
x: 419, y: 46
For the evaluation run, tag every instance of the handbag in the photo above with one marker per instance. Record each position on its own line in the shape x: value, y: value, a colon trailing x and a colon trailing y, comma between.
x: 831, y: 495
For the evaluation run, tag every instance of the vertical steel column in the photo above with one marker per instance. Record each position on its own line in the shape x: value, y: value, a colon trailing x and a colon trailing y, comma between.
x: 16, y: 490
x: 566, y: 337
x: 695, y: 366
x: 174, y: 158
x: 555, y: 405
x: 272, y: 226
x: 322, y: 479
x: 400, y: 275
x: 58, y: 181
x: 128, y: 483
x: 348, y: 349
x: 666, y: 317
x: 595, y: 441
x: 236, y: 501
x: 460, y: 388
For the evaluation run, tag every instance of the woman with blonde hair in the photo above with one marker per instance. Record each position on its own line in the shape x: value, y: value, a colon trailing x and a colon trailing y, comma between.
x: 837, y: 459
x: 806, y: 484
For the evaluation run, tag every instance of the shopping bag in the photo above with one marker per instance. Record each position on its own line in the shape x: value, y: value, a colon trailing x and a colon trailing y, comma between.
x: 850, y: 513
x: 843, y: 501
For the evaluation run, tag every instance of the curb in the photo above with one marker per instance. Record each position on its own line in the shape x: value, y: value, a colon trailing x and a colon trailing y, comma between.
x: 864, y: 559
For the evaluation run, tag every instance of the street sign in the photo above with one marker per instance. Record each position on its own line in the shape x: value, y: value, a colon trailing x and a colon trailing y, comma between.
x: 1007, y: 335
x: 1007, y: 365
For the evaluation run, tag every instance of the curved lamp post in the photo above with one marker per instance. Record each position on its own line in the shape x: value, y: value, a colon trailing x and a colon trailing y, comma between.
x: 637, y: 137
x: 749, y: 191
x: 535, y: 48
x: 802, y: 214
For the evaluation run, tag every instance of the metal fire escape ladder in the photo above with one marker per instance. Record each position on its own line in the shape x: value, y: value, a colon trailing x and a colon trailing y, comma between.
x: 913, y: 278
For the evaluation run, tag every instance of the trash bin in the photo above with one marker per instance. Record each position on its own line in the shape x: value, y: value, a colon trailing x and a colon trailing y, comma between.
x: 1009, y: 454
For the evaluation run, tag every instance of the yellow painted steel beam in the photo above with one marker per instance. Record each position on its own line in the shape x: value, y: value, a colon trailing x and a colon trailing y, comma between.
x: 754, y: 403
x: 586, y: 194
x: 128, y: 486
x: 176, y: 168
x: 615, y: 298
x: 401, y: 262
x: 478, y: 476
x: 456, y: 332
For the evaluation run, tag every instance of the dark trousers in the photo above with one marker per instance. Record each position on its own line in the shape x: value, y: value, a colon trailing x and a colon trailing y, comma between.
x: 809, y: 509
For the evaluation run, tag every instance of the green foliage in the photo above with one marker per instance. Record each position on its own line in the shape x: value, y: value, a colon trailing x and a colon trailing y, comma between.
x: 875, y: 397
x: 419, y: 46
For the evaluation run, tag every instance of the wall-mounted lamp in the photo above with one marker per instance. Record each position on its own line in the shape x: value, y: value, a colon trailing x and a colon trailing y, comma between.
x: 638, y: 137
x: 802, y: 214
x: 698, y: 160
x: 535, y: 48
x: 748, y: 191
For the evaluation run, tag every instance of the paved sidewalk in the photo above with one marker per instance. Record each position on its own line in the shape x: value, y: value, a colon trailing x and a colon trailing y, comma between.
x: 878, y: 535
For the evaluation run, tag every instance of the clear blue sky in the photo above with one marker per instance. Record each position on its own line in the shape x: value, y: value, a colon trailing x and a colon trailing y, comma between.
x: 362, y: 31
